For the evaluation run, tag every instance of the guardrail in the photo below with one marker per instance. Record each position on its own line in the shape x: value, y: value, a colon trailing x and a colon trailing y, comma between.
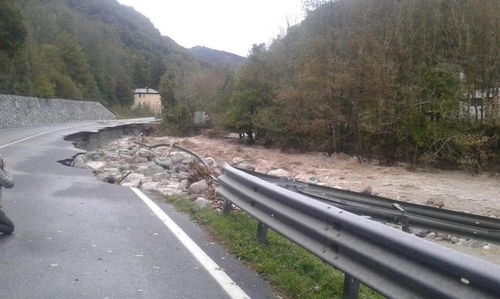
x: 391, y: 262
x: 406, y: 214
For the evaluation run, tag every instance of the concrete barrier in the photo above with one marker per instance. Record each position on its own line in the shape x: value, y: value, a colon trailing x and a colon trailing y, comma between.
x: 21, y: 111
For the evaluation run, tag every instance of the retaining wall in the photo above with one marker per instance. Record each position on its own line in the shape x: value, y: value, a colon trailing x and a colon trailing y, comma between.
x: 21, y: 111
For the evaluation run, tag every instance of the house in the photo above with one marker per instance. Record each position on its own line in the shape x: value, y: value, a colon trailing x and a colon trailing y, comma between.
x: 479, y: 105
x: 147, y: 98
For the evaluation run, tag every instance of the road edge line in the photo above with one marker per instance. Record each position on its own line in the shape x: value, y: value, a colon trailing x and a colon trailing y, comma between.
x: 231, y: 288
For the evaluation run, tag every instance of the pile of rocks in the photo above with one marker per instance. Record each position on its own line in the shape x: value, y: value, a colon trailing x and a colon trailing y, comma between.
x: 164, y: 169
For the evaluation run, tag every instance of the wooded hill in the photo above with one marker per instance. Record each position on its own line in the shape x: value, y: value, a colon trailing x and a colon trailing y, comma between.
x: 91, y: 49
x: 396, y: 80
x: 215, y: 57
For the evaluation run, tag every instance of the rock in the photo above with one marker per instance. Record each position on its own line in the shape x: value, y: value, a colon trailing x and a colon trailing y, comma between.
x: 368, y: 190
x: 124, y: 168
x: 145, y: 153
x: 79, y: 162
x: 454, y: 240
x: 177, y: 158
x: 132, y: 180
x: 246, y: 166
x: 107, y: 178
x: 313, y: 180
x: 435, y: 202
x: 198, y: 187
x: 421, y: 233
x: 188, y: 160
x: 139, y: 159
x: 152, y: 170
x: 94, y: 155
x: 182, y: 175
x: 202, y: 203
x: 431, y: 235
x: 237, y: 160
x: 162, y: 176
x: 128, y: 159
x: 473, y: 244
x: 112, y: 158
x: 164, y: 162
x: 182, y: 168
x: 210, y: 161
x: 279, y: 173
x: 149, y: 185
x: 439, y: 203
x: 182, y: 185
x: 124, y: 152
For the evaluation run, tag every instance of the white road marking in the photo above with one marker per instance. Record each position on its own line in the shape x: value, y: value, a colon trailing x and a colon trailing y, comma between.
x: 231, y: 288
x: 21, y: 140
x: 32, y: 136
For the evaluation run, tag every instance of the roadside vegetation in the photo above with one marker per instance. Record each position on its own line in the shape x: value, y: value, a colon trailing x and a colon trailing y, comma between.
x: 125, y: 112
x: 292, y: 271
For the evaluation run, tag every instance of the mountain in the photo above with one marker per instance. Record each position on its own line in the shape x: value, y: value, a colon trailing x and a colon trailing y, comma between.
x: 92, y: 49
x: 216, y: 57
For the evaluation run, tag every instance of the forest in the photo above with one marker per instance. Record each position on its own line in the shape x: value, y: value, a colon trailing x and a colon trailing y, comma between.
x: 83, y: 49
x: 393, y: 80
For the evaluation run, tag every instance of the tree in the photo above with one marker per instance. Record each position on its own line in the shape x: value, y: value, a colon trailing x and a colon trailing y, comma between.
x: 253, y: 92
x: 12, y: 31
x: 76, y: 67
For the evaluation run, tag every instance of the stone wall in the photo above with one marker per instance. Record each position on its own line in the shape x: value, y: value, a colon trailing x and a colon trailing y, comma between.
x: 21, y: 111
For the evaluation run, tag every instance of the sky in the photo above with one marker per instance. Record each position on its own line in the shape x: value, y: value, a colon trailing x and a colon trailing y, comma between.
x: 227, y: 25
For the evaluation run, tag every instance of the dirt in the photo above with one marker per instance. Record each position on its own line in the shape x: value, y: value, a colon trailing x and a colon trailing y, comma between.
x: 453, y: 190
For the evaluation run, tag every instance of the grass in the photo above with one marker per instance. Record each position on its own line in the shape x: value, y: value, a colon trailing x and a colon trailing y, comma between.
x: 124, y: 112
x: 291, y: 270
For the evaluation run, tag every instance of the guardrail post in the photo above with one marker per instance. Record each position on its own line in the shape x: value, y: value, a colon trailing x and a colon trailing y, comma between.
x: 262, y: 233
x: 226, y: 208
x: 351, y: 287
x: 403, y: 219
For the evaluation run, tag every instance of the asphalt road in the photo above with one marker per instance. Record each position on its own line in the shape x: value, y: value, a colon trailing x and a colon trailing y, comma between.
x: 77, y: 237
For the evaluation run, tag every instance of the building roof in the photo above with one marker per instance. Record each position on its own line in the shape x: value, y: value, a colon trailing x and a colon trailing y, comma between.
x: 145, y: 90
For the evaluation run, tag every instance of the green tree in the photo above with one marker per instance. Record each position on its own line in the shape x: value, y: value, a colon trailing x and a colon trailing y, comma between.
x: 76, y: 66
x: 12, y: 31
x: 253, y: 92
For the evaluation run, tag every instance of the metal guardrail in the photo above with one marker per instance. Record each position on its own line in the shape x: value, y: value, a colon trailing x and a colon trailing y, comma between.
x: 391, y: 262
x: 404, y: 213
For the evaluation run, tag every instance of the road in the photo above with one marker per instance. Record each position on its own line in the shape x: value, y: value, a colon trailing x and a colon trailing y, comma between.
x: 77, y: 237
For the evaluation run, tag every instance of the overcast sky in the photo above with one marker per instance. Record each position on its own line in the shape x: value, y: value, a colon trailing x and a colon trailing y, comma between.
x: 228, y: 25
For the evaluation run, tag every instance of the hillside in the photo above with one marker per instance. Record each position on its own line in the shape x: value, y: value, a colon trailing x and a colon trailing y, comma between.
x: 94, y: 49
x: 216, y: 57
x: 413, y: 81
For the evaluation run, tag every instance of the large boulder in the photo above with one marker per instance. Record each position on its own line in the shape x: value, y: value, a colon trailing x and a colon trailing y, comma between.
x: 145, y: 153
x: 151, y: 170
x: 164, y: 162
x: 178, y: 158
x: 198, y: 187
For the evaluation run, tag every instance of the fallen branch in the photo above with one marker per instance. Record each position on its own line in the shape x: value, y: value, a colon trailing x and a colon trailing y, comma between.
x: 177, y: 146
